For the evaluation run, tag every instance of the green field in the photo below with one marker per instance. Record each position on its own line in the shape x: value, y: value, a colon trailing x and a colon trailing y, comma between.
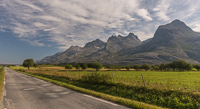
x: 185, y: 81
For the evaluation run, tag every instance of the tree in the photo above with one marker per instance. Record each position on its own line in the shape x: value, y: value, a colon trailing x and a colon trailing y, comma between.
x: 155, y: 67
x: 35, y: 65
x: 181, y: 65
x: 77, y: 66
x: 119, y: 67
x: 163, y: 67
x: 197, y: 66
x: 28, y: 63
x: 68, y: 67
x: 136, y: 66
x: 128, y: 68
x: 146, y: 66
x: 84, y: 66
x: 97, y: 66
x: 188, y: 67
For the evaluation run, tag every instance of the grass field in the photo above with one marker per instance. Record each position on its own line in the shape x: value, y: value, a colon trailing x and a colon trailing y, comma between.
x: 165, y: 89
x: 185, y: 81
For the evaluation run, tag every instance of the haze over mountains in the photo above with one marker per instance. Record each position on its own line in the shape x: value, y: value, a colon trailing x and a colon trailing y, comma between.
x: 173, y: 41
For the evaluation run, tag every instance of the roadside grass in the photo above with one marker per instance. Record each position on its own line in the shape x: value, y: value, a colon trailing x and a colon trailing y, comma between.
x: 1, y: 83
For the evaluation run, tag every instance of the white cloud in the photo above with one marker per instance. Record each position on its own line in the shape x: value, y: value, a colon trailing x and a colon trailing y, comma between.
x: 38, y: 24
x: 144, y: 14
x: 196, y: 27
x: 162, y: 9
x: 21, y: 2
x: 34, y: 42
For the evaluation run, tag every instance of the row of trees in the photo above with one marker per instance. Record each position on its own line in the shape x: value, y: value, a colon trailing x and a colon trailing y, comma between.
x: 178, y: 65
x: 95, y: 65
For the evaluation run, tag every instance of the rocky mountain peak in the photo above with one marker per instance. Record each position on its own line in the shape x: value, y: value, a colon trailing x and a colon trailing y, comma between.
x: 176, y: 25
x: 116, y: 43
x: 73, y: 49
x: 130, y: 34
x: 95, y: 43
x: 175, y: 30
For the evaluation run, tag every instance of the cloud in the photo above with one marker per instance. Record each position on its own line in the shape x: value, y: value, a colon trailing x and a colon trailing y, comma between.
x: 21, y: 2
x: 162, y: 9
x: 67, y: 22
x: 196, y: 27
x: 34, y: 42
x: 144, y: 14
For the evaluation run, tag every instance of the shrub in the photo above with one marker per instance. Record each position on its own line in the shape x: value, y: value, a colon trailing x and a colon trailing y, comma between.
x: 97, y: 77
x: 97, y: 66
x: 84, y: 66
x: 68, y: 67
x: 77, y: 66
x: 21, y: 70
x: 128, y: 68
x: 136, y: 66
x: 146, y: 66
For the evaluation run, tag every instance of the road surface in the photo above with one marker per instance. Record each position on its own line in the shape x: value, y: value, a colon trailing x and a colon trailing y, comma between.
x: 25, y: 92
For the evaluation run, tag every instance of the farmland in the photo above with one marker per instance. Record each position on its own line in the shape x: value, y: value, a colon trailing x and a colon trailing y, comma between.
x: 165, y: 89
x: 184, y: 81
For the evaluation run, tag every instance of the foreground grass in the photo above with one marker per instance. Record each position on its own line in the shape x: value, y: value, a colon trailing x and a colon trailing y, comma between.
x: 1, y: 83
x: 120, y: 100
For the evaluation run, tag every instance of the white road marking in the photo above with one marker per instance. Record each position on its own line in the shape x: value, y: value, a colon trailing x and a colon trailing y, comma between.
x: 64, y: 93
x: 52, y: 95
x: 4, y: 92
x: 100, y: 100
x: 29, y: 89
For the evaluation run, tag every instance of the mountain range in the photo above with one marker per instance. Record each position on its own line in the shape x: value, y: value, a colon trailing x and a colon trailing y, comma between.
x: 173, y: 41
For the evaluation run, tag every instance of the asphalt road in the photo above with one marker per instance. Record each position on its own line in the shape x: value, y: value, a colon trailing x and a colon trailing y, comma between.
x: 25, y: 92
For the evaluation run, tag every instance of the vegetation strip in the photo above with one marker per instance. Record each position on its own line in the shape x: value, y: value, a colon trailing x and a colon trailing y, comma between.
x: 123, y: 101
x: 1, y: 84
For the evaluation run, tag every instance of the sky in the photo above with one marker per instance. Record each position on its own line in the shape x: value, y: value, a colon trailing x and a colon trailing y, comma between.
x: 39, y: 28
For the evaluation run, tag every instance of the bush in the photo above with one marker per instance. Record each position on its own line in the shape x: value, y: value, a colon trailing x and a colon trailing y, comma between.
x: 97, y: 78
x: 21, y: 70
x: 97, y: 66
x: 128, y: 68
x: 146, y: 66
x: 77, y: 66
x: 84, y: 66
x: 136, y: 66
x: 68, y: 67
x: 197, y: 67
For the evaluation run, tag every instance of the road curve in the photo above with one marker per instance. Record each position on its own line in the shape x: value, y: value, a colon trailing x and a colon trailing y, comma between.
x: 25, y: 92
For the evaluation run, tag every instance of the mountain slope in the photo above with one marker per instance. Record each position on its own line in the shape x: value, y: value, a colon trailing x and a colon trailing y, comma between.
x: 172, y: 41
x: 112, y: 49
x: 74, y: 52
x: 61, y: 56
